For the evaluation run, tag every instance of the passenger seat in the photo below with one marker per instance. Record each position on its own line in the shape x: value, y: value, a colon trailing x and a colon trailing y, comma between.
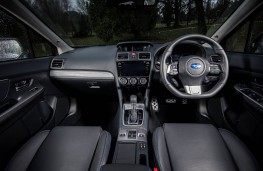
x: 64, y: 149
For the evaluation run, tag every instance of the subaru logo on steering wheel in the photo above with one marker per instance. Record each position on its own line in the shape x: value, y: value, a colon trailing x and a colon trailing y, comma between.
x: 196, y: 66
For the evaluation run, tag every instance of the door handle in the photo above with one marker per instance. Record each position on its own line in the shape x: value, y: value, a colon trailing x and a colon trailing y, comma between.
x: 20, y: 85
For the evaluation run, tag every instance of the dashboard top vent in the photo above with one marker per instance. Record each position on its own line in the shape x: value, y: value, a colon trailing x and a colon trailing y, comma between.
x: 215, y: 58
x: 57, y: 63
x: 144, y: 55
x: 122, y: 56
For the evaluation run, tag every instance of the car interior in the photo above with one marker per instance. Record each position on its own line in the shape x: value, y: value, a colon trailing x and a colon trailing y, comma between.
x: 139, y: 85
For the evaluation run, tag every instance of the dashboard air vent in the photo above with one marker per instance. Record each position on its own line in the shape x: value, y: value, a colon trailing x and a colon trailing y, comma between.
x: 144, y: 56
x: 57, y: 63
x: 123, y: 56
x: 216, y: 58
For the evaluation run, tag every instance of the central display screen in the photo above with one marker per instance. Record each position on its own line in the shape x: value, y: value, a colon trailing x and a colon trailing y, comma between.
x: 133, y: 69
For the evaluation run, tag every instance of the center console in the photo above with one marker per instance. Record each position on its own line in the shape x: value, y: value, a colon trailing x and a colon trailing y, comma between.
x: 134, y: 63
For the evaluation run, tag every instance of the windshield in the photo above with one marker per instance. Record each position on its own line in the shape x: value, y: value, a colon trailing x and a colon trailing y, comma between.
x: 93, y: 22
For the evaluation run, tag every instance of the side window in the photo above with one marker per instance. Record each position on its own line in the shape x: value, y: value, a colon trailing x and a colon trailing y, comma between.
x: 41, y: 47
x: 237, y: 41
x: 19, y: 42
x: 14, y: 40
x: 248, y: 38
x: 256, y: 39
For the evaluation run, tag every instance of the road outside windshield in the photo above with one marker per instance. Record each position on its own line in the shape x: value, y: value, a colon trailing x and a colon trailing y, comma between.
x: 93, y: 22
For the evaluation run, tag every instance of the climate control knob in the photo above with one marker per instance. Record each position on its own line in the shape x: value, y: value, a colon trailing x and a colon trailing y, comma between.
x: 143, y: 81
x: 123, y: 81
x: 133, y: 81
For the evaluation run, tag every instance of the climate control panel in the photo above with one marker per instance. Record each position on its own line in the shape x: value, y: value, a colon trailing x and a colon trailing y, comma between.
x: 133, y: 81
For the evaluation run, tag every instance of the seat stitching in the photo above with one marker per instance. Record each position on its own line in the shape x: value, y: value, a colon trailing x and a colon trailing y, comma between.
x: 167, y: 150
x: 157, y: 149
x: 94, y: 152
x: 104, y: 147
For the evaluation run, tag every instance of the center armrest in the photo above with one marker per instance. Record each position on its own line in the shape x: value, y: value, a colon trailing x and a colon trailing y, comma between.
x: 126, y: 167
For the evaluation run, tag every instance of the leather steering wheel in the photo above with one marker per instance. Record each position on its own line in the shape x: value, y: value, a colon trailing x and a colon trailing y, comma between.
x: 192, y: 70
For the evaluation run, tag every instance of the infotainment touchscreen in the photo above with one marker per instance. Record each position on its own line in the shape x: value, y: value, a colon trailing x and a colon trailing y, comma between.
x: 133, y: 69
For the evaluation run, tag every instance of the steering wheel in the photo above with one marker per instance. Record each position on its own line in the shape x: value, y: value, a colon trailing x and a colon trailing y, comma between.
x: 192, y: 70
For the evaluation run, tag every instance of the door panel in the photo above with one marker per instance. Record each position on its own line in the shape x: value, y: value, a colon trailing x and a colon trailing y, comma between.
x: 29, y: 102
x: 241, y: 103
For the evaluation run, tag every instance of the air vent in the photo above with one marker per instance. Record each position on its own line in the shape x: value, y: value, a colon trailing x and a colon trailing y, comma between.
x: 122, y: 56
x: 57, y: 63
x: 144, y: 56
x: 216, y: 58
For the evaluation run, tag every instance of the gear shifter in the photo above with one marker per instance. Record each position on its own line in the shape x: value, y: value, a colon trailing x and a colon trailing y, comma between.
x: 133, y: 118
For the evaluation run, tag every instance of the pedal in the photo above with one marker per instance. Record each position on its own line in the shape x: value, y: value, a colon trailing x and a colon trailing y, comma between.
x: 170, y: 101
x: 155, y: 105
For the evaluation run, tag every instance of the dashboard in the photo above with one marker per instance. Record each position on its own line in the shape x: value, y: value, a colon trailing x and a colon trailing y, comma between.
x: 99, y: 69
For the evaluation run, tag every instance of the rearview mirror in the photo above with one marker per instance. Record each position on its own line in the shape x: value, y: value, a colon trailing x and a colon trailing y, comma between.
x: 131, y: 2
x: 10, y: 49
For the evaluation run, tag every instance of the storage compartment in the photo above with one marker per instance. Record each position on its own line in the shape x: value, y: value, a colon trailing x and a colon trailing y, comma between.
x: 14, y: 134
x: 131, y: 153
x: 83, y: 87
x: 124, y: 167
x: 126, y: 153
x: 37, y: 117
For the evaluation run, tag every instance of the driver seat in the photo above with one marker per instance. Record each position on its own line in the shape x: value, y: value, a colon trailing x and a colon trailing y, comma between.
x: 200, y: 147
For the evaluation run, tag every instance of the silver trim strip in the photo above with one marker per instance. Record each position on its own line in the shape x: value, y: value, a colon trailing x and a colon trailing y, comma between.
x: 127, y: 106
x: 76, y: 74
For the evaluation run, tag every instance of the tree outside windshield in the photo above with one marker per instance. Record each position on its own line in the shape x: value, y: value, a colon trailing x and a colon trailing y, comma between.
x: 94, y: 22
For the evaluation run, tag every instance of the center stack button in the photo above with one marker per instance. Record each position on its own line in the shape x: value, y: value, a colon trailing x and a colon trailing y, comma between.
x: 123, y: 81
x: 133, y: 81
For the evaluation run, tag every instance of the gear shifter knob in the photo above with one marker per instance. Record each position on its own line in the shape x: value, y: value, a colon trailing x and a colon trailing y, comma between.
x: 133, y: 99
x: 133, y: 115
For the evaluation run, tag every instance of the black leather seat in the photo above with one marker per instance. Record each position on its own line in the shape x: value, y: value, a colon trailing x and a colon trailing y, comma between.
x: 64, y: 149
x: 200, y: 147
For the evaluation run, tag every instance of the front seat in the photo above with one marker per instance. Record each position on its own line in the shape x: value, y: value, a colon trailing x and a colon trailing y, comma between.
x: 200, y: 147
x: 63, y: 149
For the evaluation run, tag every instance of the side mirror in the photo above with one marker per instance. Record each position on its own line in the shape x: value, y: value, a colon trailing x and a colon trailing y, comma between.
x: 10, y: 49
x: 256, y: 45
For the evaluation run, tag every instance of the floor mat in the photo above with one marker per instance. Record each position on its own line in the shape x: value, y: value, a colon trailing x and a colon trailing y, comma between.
x: 177, y: 113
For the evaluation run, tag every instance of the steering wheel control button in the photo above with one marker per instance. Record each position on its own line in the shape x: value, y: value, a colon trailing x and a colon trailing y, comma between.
x: 215, y: 69
x: 123, y: 81
x: 195, y: 67
x: 173, y: 69
x: 143, y: 81
x: 133, y: 81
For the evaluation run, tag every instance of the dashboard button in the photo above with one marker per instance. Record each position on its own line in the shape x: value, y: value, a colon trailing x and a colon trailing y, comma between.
x: 143, y: 81
x: 123, y: 81
x: 133, y: 81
